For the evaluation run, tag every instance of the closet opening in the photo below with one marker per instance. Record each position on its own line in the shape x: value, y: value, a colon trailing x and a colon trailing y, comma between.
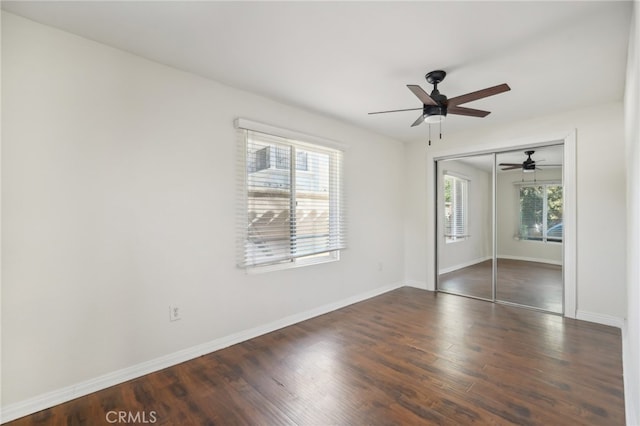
x: 500, y: 226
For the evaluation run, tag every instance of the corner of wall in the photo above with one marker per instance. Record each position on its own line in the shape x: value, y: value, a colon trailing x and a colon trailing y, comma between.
x: 416, y: 284
x: 631, y: 328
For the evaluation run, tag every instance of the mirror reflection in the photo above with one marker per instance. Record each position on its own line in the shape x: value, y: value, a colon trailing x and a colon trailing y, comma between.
x: 465, y: 231
x: 507, y: 245
x: 529, y: 206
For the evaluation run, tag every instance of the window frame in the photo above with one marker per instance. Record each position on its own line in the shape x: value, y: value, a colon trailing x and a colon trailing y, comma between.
x: 297, y: 143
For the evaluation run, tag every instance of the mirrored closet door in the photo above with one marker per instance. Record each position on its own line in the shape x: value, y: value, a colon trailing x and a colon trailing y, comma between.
x: 465, y: 226
x: 529, y: 237
x: 500, y: 227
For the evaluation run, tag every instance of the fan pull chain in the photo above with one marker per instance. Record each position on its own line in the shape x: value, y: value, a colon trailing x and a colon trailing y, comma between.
x: 440, y: 129
x: 429, y: 134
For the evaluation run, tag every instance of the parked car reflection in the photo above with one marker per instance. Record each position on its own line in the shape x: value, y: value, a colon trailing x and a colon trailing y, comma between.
x: 555, y: 233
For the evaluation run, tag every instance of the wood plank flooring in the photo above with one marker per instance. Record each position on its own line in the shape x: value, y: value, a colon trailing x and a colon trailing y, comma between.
x: 406, y: 357
x: 534, y: 284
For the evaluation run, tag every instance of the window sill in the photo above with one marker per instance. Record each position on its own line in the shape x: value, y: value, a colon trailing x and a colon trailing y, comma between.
x: 457, y: 240
x: 298, y: 263
x: 537, y: 240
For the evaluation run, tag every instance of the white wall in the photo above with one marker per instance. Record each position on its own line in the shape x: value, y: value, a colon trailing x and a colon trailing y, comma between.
x: 600, y: 199
x: 478, y: 246
x: 507, y: 220
x: 631, y: 337
x: 118, y: 199
x: 416, y: 210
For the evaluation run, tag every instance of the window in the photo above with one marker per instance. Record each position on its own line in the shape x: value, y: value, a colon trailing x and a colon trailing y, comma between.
x: 541, y: 212
x: 455, y: 207
x: 273, y: 156
x: 291, y: 192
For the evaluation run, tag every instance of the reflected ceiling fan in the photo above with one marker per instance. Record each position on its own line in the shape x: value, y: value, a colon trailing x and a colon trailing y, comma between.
x: 436, y: 106
x: 528, y: 165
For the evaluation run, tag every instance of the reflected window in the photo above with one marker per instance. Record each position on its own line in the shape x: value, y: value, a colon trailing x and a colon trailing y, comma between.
x: 455, y: 208
x: 541, y: 212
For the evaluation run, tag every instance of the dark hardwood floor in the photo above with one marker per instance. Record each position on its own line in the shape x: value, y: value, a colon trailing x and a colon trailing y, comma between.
x: 534, y: 284
x: 406, y: 357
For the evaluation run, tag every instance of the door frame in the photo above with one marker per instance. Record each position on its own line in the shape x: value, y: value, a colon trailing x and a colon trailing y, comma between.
x: 568, y: 141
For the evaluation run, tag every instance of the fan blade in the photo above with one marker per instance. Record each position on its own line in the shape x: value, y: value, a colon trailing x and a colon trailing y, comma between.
x: 519, y: 166
x: 467, y: 111
x: 421, y: 94
x: 510, y: 164
x: 418, y: 121
x: 394, y: 110
x: 548, y: 165
x: 490, y: 91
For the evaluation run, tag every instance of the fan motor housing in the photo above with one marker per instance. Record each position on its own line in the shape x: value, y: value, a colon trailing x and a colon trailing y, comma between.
x: 430, y: 110
x: 438, y: 97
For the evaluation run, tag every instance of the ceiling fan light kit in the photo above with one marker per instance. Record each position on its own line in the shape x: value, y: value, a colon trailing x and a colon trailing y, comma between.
x: 436, y: 106
x: 434, y: 114
x: 434, y: 118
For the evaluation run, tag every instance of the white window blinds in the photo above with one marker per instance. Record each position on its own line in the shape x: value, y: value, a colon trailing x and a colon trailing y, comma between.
x: 292, y: 199
x: 455, y: 205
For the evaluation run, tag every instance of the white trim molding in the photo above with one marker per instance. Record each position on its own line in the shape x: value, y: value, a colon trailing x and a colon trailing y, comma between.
x: 465, y: 264
x: 570, y: 226
x: 243, y: 123
x: 603, y: 319
x: 416, y: 284
x: 629, y: 404
x: 59, y: 396
x: 530, y: 259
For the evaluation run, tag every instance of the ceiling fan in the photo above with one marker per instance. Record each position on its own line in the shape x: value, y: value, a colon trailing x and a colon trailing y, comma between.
x: 528, y: 165
x: 436, y: 106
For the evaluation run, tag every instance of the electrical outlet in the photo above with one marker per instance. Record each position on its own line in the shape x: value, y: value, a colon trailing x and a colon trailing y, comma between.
x: 174, y: 313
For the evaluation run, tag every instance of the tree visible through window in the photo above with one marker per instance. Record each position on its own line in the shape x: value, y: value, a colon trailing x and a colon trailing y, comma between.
x: 541, y: 212
x: 455, y: 208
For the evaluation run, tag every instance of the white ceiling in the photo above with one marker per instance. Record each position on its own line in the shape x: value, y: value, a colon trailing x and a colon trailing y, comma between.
x: 344, y: 59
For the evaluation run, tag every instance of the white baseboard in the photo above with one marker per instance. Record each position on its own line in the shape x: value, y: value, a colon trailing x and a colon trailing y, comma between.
x: 416, y: 284
x: 530, y: 259
x: 464, y: 265
x: 502, y: 256
x: 600, y: 319
x: 59, y: 396
x: 629, y: 404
